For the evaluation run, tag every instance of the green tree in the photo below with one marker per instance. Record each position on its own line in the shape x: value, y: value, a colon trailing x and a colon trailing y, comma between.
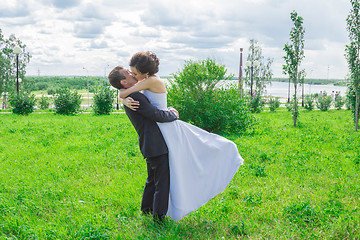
x: 352, y: 56
x: 8, y: 64
x: 294, y: 55
x: 257, y: 76
x: 196, y: 94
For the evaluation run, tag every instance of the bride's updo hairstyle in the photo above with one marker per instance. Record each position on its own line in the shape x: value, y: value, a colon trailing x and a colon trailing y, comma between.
x: 145, y: 62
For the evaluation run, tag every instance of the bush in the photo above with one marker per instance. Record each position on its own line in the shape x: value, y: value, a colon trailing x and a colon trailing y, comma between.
x: 309, y: 102
x: 274, y: 103
x: 67, y: 102
x: 193, y: 92
x: 22, y: 103
x: 256, y: 103
x: 324, y: 102
x: 103, y: 100
x: 44, y: 102
x: 51, y: 91
x: 339, y: 102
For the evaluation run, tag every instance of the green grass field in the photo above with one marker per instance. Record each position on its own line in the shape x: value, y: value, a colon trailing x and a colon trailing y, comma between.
x: 81, y: 177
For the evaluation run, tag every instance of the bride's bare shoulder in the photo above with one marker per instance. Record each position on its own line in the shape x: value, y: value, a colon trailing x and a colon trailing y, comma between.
x: 157, y: 85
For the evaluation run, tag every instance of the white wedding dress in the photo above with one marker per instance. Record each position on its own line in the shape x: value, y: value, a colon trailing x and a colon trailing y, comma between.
x: 201, y: 164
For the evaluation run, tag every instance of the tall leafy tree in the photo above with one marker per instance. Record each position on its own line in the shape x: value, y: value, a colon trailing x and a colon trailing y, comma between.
x: 8, y: 64
x: 294, y: 54
x: 352, y: 56
x: 262, y: 74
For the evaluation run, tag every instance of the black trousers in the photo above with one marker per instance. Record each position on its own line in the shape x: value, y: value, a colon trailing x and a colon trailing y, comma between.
x: 155, y: 198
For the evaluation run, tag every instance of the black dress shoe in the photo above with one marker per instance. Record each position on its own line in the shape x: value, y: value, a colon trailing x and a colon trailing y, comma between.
x: 159, y: 218
x: 147, y: 211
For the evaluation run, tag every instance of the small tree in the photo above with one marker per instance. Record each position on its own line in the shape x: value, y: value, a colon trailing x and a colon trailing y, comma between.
x: 67, y: 102
x: 22, y: 103
x: 294, y: 55
x: 353, y: 58
x: 260, y: 75
x: 351, y: 100
x: 197, y: 87
x: 103, y: 100
x: 8, y: 64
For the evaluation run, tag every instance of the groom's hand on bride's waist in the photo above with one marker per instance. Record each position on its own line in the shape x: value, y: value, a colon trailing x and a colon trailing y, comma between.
x: 174, y: 111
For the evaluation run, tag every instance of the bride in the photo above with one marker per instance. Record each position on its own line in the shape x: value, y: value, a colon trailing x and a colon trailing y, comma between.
x: 201, y: 164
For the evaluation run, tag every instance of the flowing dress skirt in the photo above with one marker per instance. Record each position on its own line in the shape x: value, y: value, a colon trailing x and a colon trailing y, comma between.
x: 201, y: 164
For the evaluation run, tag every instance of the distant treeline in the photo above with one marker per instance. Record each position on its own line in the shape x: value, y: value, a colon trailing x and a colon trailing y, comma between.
x: 54, y: 83
x: 51, y: 84
x: 336, y: 82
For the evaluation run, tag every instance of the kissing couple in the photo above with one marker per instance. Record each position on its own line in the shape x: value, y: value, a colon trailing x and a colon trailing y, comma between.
x: 186, y: 165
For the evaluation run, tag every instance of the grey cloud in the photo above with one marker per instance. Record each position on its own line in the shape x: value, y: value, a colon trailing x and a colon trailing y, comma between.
x: 63, y: 4
x: 89, y: 29
x: 98, y: 44
x: 21, y: 9
x: 91, y: 11
x: 202, y: 42
x: 150, y: 33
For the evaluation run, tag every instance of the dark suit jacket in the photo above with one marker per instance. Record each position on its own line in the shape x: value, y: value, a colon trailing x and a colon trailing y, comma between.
x: 144, y: 120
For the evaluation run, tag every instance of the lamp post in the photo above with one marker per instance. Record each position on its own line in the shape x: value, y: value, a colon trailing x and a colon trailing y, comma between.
x: 251, y: 65
x: 117, y: 99
x: 240, y: 74
x: 17, y: 51
x: 87, y: 78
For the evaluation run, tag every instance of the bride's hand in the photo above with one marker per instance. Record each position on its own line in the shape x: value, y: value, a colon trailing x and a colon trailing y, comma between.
x: 174, y: 111
x: 130, y: 103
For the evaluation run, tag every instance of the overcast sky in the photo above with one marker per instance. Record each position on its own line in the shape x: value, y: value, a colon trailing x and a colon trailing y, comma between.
x: 66, y: 36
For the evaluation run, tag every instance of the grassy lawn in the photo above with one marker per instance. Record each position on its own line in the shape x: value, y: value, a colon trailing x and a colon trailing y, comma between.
x: 81, y: 177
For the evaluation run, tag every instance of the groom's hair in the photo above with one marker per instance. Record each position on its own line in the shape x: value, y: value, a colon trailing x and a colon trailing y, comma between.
x: 115, y: 77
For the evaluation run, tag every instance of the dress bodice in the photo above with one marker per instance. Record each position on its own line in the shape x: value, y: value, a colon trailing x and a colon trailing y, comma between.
x: 158, y: 100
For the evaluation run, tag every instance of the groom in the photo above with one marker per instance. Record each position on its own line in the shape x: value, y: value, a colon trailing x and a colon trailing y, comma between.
x: 152, y: 144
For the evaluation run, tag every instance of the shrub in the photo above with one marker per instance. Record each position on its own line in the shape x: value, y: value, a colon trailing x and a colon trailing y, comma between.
x: 67, y: 102
x: 193, y: 92
x: 309, y: 102
x: 274, y: 103
x: 324, y: 102
x: 22, y: 103
x: 339, y: 102
x: 103, y: 100
x: 51, y: 91
x: 256, y: 103
x: 44, y: 102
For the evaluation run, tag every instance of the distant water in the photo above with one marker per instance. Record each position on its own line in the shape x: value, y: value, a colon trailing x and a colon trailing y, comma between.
x: 280, y: 89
